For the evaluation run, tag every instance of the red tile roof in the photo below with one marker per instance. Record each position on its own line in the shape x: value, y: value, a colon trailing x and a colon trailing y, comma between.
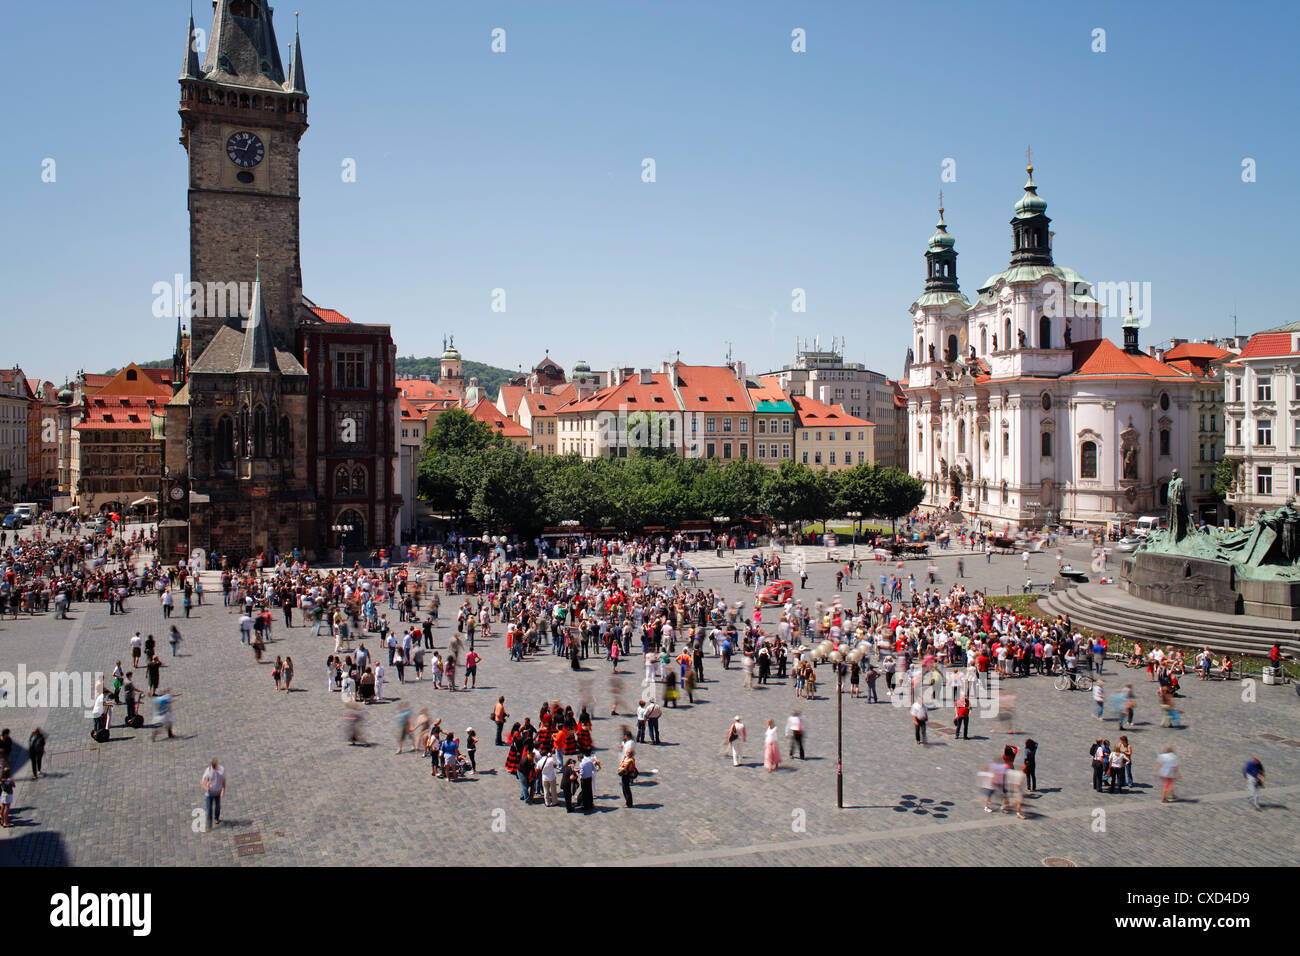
x: 656, y: 397
x: 424, y: 394
x: 1268, y: 344
x: 485, y: 411
x: 330, y: 315
x: 125, y: 412
x: 1195, y: 350
x: 811, y: 412
x: 408, y: 409
x: 1102, y: 358
x: 510, y: 396
x: 711, y: 388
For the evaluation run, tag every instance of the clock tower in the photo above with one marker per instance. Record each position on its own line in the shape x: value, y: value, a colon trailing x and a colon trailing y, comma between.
x: 241, y: 119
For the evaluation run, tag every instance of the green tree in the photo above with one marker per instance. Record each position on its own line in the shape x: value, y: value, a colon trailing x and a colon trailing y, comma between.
x: 860, y: 492
x: 791, y: 493
x: 455, y: 431
x: 505, y: 494
x: 900, y: 493
x: 1225, y: 477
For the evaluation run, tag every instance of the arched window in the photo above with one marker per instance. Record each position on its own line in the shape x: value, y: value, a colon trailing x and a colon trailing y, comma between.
x: 1164, y: 442
x: 356, y: 538
x: 1004, y: 491
x: 1044, y: 333
x: 961, y: 437
x: 1088, y: 460
x: 1006, y: 443
x: 242, y: 448
x: 359, y: 481
x: 920, y: 349
x: 950, y: 353
x: 984, y: 341
x: 131, y: 375
x: 342, y: 487
x: 225, y: 450
x: 259, y: 432
x: 1006, y: 341
x: 1047, y: 445
x: 1163, y: 497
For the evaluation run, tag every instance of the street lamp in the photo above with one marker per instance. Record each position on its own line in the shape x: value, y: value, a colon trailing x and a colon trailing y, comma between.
x: 825, y: 651
x: 856, y: 516
x: 342, y: 530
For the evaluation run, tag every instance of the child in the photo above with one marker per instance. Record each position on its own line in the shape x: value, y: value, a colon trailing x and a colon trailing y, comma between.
x: 985, y: 780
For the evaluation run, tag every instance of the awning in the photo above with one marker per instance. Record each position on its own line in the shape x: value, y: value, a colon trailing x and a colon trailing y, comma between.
x: 75, y: 508
x: 146, y: 500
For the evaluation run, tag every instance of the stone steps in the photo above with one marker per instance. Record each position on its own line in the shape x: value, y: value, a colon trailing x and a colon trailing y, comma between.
x: 1116, y: 612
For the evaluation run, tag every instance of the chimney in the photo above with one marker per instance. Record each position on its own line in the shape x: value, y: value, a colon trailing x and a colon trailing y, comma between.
x: 1151, y: 350
x: 739, y: 369
x: 645, y: 376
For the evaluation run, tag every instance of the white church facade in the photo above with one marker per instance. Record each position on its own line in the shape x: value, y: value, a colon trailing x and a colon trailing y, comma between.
x: 1020, y: 411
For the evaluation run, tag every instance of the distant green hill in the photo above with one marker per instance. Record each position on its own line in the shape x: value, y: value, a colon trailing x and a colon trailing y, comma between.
x: 490, y: 378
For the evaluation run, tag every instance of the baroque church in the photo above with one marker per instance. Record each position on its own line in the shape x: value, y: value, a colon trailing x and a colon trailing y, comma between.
x: 1020, y: 411
x: 281, y: 435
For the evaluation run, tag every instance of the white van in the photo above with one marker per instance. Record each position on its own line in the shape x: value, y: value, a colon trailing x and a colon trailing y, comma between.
x: 27, y: 510
x: 1147, y: 524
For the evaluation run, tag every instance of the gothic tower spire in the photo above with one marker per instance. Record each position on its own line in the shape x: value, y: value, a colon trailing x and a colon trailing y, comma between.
x: 191, y: 70
x: 297, y: 82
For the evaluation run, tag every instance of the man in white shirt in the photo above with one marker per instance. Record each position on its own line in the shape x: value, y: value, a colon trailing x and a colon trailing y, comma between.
x: 214, y: 787
x: 548, y: 767
x: 794, y: 730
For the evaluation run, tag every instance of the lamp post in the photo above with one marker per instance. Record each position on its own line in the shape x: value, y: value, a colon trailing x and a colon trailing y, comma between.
x: 856, y: 516
x: 825, y: 651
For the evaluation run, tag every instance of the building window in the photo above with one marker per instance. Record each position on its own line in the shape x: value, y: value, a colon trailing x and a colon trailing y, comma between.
x: 862, y: 458
x: 342, y: 486
x: 1236, y: 389
x: 762, y: 451
x: 1164, y: 442
x: 862, y: 436
x: 762, y: 426
x: 805, y: 458
x: 1047, y: 444
x: 744, y: 451
x: 1264, y: 388
x: 1264, y: 432
x: 1088, y: 460
x: 785, y: 426
x: 350, y: 368
x: 1295, y: 438
x: 1295, y: 480
x: 695, y: 425
x: 726, y: 451
x: 726, y: 424
x: 817, y: 458
x: 744, y: 425
x: 1164, y: 401
x: 1044, y: 333
x: 848, y: 436
x: 1264, y: 480
x: 832, y: 458
x: 1236, y: 431
x: 961, y: 437
x: 709, y: 425
x: 710, y: 450
x: 359, y: 481
x: 1006, y: 444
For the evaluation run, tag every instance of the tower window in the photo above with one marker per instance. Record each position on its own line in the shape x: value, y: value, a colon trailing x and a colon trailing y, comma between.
x: 1047, y: 444
x: 1045, y: 333
x: 350, y: 368
x: 1164, y: 441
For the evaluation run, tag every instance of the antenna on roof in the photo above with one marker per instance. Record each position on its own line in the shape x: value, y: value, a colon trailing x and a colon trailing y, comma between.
x: 728, y: 344
x: 1234, y: 318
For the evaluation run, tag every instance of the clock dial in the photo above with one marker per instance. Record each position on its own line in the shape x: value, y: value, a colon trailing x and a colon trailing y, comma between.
x: 245, y: 149
x: 177, y: 492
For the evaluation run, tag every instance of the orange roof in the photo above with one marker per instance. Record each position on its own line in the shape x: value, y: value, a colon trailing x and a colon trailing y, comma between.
x: 95, y: 381
x: 510, y: 396
x: 1268, y: 344
x: 656, y: 397
x: 1195, y: 350
x: 711, y: 388
x: 1103, y: 358
x: 120, y: 411
x: 143, y: 382
x: 811, y: 412
x: 330, y: 315
x: 408, y: 409
x: 768, y: 390
x: 1195, y: 369
x: 485, y: 411
x: 422, y: 393
x: 539, y: 403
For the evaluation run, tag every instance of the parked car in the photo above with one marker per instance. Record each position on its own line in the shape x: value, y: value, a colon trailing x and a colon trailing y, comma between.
x: 11, y: 522
x: 777, y: 593
x: 1128, y: 543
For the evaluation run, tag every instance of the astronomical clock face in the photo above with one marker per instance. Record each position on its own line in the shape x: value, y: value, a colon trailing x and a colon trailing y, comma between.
x: 245, y: 149
x: 177, y: 493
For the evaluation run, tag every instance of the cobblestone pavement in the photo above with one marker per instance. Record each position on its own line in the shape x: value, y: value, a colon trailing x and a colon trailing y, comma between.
x: 299, y: 794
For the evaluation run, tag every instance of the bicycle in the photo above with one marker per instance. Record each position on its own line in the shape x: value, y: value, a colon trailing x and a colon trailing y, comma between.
x: 1081, y: 682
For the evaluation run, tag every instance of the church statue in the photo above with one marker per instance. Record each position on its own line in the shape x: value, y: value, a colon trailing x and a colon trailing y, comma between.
x: 931, y: 351
x: 1177, y: 508
x: 1131, y: 463
x: 1021, y: 334
x: 995, y: 341
x: 972, y: 354
x: 1067, y: 331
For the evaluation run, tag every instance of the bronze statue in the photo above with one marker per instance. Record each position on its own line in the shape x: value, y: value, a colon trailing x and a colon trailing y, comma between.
x: 1131, y: 463
x: 1177, y: 507
x: 1021, y: 335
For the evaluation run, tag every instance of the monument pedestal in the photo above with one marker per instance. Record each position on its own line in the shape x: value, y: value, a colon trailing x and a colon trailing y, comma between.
x: 1179, y: 581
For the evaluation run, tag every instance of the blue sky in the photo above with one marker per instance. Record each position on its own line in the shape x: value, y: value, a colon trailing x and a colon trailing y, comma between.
x: 775, y: 170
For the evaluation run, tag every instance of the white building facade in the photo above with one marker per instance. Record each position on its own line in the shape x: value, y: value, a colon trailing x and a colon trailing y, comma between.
x: 1020, y: 412
x: 1262, y: 423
